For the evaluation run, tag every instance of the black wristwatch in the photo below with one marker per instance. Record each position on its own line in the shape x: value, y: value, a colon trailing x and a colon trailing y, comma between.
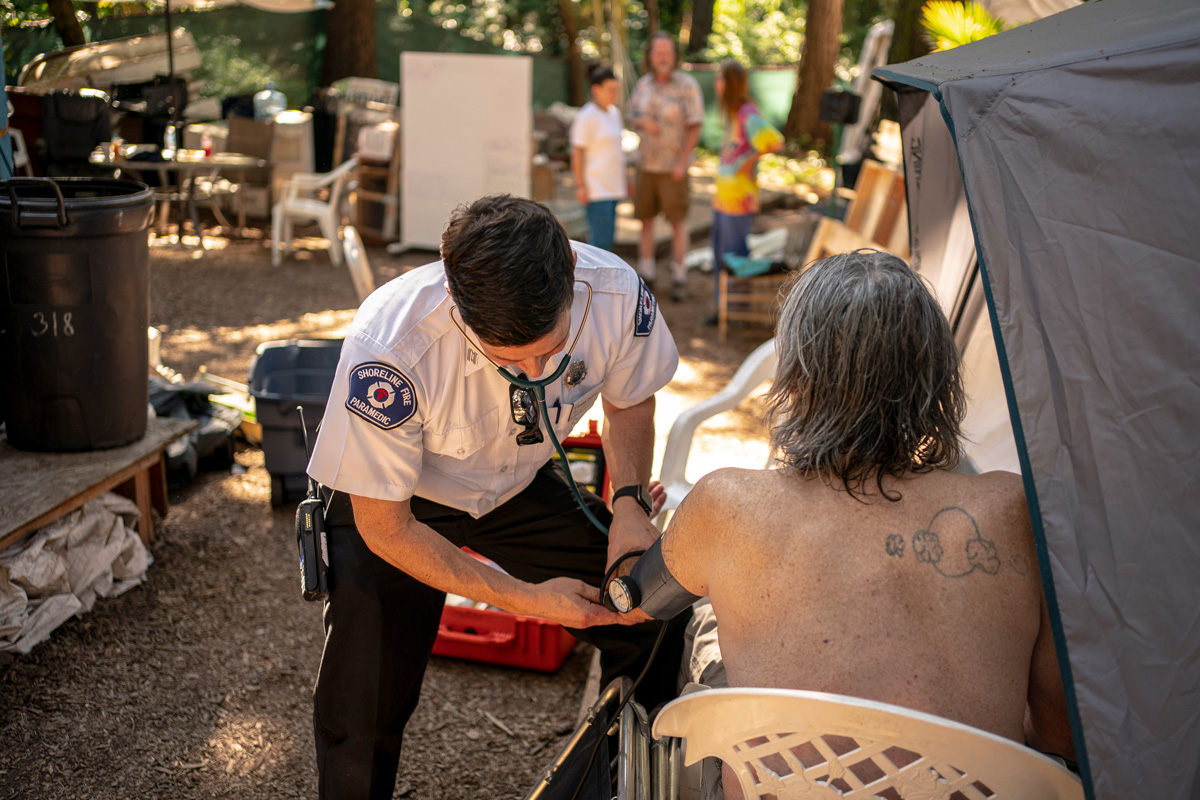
x: 639, y: 493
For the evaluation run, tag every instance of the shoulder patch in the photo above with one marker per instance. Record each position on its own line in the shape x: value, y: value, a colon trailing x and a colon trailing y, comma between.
x: 647, y: 311
x: 381, y: 395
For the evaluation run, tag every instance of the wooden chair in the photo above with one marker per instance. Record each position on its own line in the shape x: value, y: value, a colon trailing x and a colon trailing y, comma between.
x: 804, y: 745
x: 877, y: 216
x: 756, y: 299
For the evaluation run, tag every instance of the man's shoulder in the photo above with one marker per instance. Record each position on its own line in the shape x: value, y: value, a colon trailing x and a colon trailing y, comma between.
x: 605, y: 272
x: 405, y: 316
x: 685, y: 78
x: 739, y: 489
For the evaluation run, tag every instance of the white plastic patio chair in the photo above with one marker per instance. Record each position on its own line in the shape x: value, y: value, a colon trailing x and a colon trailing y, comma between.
x: 758, y: 367
x: 20, y: 153
x: 799, y: 745
x: 307, y: 197
x: 356, y: 262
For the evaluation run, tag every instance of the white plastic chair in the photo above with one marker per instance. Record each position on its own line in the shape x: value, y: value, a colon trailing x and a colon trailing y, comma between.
x: 20, y: 153
x: 299, y: 202
x: 364, y: 90
x: 799, y: 745
x: 758, y: 367
x: 356, y: 262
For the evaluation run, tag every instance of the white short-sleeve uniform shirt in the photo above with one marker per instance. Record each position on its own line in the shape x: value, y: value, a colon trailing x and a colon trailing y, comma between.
x: 415, y: 409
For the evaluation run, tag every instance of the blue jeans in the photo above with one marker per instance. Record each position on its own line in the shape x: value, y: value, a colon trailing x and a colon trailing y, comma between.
x: 729, y: 232
x: 602, y: 223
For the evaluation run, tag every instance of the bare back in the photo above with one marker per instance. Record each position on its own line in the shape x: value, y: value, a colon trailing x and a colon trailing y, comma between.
x: 931, y: 602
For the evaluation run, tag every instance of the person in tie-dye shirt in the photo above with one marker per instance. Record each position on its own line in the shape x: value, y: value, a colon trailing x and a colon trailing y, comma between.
x: 747, y: 136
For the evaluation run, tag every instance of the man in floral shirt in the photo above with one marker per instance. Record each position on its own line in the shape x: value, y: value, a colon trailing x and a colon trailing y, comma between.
x: 666, y: 110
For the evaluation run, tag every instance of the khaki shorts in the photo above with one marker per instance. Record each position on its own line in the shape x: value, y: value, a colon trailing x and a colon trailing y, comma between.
x: 659, y: 193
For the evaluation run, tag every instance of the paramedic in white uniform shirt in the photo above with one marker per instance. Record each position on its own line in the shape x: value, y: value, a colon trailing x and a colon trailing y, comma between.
x: 427, y: 448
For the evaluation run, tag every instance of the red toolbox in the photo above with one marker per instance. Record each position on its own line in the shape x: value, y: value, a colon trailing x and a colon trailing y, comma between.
x: 497, y: 637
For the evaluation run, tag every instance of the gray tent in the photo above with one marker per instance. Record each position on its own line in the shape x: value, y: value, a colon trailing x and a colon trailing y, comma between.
x: 1054, y: 170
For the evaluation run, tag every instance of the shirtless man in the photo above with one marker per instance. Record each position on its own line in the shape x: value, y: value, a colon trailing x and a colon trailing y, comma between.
x: 862, y: 565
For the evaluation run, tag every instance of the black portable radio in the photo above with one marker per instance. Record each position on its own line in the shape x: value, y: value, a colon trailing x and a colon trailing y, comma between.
x: 310, y: 535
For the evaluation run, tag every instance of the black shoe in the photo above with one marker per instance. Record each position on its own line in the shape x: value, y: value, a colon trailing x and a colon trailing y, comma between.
x: 679, y: 291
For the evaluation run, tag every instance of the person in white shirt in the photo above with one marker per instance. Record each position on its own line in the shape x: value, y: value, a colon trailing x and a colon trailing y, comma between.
x: 428, y: 449
x: 597, y: 159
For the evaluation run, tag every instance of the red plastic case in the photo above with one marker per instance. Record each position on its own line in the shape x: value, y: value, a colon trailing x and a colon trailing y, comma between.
x: 497, y: 637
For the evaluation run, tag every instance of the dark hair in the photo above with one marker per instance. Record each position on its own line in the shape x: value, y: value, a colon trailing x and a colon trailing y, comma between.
x: 868, y: 380
x: 650, y: 44
x: 510, y: 269
x: 737, y: 89
x: 599, y: 74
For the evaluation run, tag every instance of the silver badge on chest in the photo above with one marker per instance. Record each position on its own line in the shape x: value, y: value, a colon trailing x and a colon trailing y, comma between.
x: 575, y: 373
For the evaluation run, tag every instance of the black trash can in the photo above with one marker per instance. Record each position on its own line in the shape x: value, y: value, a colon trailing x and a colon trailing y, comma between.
x: 286, y: 374
x: 74, y: 309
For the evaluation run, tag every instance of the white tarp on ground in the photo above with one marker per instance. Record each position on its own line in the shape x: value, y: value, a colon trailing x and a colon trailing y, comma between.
x: 61, y: 569
x: 1076, y: 143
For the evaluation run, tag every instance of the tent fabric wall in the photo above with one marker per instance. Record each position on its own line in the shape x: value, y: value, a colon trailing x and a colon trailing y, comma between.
x: 1077, y: 141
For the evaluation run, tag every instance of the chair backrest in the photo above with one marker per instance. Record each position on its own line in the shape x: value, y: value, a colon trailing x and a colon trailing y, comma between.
x: 356, y: 262
x: 364, y: 90
x: 797, y: 744
x: 74, y: 122
x: 877, y: 217
x: 20, y: 152
x: 758, y: 367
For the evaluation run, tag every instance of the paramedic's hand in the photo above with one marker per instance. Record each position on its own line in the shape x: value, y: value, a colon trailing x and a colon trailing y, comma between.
x: 630, y: 529
x: 572, y: 604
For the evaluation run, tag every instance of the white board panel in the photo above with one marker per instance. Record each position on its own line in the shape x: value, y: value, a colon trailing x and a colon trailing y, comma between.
x: 466, y: 132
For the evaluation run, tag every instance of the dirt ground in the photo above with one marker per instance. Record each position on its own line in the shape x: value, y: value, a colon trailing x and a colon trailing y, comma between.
x: 197, y: 683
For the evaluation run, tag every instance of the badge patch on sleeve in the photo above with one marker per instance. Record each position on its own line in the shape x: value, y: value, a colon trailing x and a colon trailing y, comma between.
x: 381, y: 395
x: 647, y: 311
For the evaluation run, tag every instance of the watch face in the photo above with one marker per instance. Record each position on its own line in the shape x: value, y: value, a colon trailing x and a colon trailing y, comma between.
x: 619, y: 594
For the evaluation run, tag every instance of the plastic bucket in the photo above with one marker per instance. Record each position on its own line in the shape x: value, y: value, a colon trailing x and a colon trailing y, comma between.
x: 74, y: 309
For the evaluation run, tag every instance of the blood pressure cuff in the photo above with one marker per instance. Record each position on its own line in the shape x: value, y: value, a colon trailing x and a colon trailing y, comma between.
x: 661, y: 595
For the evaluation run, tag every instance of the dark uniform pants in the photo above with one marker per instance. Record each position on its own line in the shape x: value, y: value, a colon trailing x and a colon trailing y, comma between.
x: 380, y: 624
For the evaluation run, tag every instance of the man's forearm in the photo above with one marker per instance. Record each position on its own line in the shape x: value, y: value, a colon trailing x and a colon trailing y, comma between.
x: 395, y: 535
x: 629, y: 443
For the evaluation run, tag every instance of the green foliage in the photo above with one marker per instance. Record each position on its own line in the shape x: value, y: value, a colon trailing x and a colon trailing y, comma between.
x: 953, y: 24
x: 756, y: 32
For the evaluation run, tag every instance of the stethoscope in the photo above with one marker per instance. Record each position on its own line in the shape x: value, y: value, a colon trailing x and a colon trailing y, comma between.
x: 538, y: 388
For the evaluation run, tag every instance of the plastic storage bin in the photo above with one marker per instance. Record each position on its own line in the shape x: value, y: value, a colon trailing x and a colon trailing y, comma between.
x: 497, y: 637
x: 286, y: 374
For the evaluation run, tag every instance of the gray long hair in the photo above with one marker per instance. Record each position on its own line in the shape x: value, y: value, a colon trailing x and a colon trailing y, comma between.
x: 868, y: 377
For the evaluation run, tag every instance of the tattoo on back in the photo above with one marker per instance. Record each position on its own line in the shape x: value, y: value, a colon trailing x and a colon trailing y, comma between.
x: 953, y: 545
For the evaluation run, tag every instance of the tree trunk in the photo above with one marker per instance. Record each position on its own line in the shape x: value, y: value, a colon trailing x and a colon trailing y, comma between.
x: 821, y: 30
x: 701, y: 25
x: 350, y: 41
x: 653, y: 22
x: 65, y: 22
x: 575, y: 90
x: 908, y: 42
